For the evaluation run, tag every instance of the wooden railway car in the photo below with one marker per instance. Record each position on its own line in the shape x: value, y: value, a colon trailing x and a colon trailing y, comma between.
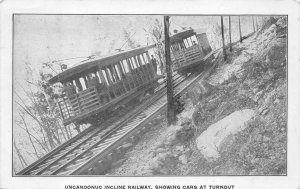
x: 189, y: 49
x: 98, y: 84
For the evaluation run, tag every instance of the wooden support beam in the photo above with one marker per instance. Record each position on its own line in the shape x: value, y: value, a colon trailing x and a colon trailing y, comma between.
x: 144, y: 68
x: 117, y: 86
x: 105, y: 84
x: 135, y: 71
x: 122, y: 77
x: 125, y: 79
x: 140, y: 70
x: 110, y: 87
x: 152, y: 66
x: 171, y: 117
x: 147, y: 65
x: 129, y: 74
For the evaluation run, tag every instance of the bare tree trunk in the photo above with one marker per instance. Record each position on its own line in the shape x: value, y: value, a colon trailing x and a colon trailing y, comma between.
x: 253, y: 24
x: 230, y: 34
x: 29, y: 136
x: 21, y: 158
x: 170, y: 98
x: 241, y: 38
x: 256, y: 23
x: 45, y: 128
x: 223, y: 42
x: 38, y: 141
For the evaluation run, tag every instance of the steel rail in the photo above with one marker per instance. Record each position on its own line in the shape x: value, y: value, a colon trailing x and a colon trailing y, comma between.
x: 132, y: 119
x: 97, y: 133
x: 37, y: 167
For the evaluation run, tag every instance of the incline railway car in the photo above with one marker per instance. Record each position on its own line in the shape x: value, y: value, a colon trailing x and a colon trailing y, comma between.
x: 189, y: 49
x: 98, y: 84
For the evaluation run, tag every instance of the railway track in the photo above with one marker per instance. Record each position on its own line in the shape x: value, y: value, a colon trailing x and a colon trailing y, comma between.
x: 94, y: 146
x: 70, y: 151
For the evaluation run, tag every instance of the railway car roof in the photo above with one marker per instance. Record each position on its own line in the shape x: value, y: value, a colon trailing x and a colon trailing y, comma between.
x: 186, y: 33
x: 88, y: 65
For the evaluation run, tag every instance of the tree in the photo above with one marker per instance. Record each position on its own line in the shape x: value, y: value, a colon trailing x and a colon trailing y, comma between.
x: 230, y: 33
x: 20, y: 156
x: 170, y: 93
x: 253, y: 25
x: 155, y: 33
x: 36, y: 114
x: 128, y: 39
x: 240, y: 31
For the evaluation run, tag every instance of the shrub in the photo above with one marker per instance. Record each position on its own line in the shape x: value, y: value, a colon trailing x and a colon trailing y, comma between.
x: 186, y: 133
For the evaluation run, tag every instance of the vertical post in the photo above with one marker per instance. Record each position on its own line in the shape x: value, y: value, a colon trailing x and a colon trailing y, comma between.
x: 222, y: 29
x: 170, y: 98
x: 256, y: 23
x: 241, y: 38
x: 230, y: 34
x: 132, y: 75
x: 151, y: 65
x: 122, y: 78
x: 61, y: 112
x: 253, y: 24
x: 110, y: 82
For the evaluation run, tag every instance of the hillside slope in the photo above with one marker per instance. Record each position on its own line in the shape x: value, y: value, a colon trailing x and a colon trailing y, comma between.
x: 253, y: 78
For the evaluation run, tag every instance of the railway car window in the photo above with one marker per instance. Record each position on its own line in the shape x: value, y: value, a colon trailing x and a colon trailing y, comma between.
x: 98, y: 76
x: 190, y: 41
x: 74, y: 83
x: 111, y: 76
x: 145, y: 58
x: 142, y: 59
x: 85, y: 81
x: 135, y: 62
x: 82, y: 83
x: 128, y: 66
x: 115, y: 72
x: 138, y: 60
x: 105, y: 76
x: 182, y: 45
x: 194, y: 39
x: 78, y: 84
x: 118, y: 71
x: 131, y: 63
x: 122, y: 67
x: 185, y: 43
x: 125, y: 66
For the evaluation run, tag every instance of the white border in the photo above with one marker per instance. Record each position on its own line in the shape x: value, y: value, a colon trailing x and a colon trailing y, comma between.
x: 286, y: 7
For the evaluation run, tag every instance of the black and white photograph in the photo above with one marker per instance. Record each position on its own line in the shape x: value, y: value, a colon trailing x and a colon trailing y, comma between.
x: 149, y: 94
x: 144, y: 95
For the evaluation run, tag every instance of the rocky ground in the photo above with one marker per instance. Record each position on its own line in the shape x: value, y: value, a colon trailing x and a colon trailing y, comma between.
x: 234, y: 122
